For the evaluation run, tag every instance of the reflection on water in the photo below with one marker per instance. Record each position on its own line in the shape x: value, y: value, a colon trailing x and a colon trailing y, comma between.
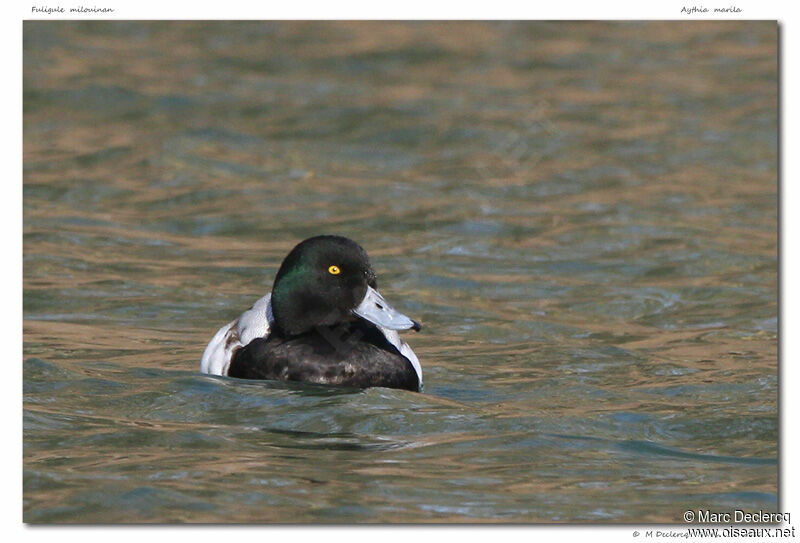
x: 583, y: 215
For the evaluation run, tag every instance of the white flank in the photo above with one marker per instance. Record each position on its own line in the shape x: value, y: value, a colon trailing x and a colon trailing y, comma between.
x: 253, y: 323
x: 393, y: 337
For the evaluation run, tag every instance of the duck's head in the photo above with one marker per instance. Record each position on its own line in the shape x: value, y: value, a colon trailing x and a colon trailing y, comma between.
x: 327, y: 280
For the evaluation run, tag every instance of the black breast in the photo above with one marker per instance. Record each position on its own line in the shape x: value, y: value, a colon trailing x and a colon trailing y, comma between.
x: 356, y: 355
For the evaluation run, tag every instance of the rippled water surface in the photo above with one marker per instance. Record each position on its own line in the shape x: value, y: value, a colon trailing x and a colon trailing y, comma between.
x: 583, y: 215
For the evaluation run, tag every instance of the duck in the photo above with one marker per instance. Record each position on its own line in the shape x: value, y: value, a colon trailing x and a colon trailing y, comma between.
x: 324, y: 322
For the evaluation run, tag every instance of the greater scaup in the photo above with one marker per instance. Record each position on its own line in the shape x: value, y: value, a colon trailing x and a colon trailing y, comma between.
x: 324, y: 322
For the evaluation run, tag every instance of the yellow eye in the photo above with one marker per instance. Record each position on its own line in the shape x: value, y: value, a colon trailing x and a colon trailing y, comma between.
x: 334, y: 270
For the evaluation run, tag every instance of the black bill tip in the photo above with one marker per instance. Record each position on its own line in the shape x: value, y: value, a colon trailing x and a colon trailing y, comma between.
x: 417, y: 326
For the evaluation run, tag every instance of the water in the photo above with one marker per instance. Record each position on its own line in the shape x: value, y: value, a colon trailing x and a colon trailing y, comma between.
x: 583, y: 216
